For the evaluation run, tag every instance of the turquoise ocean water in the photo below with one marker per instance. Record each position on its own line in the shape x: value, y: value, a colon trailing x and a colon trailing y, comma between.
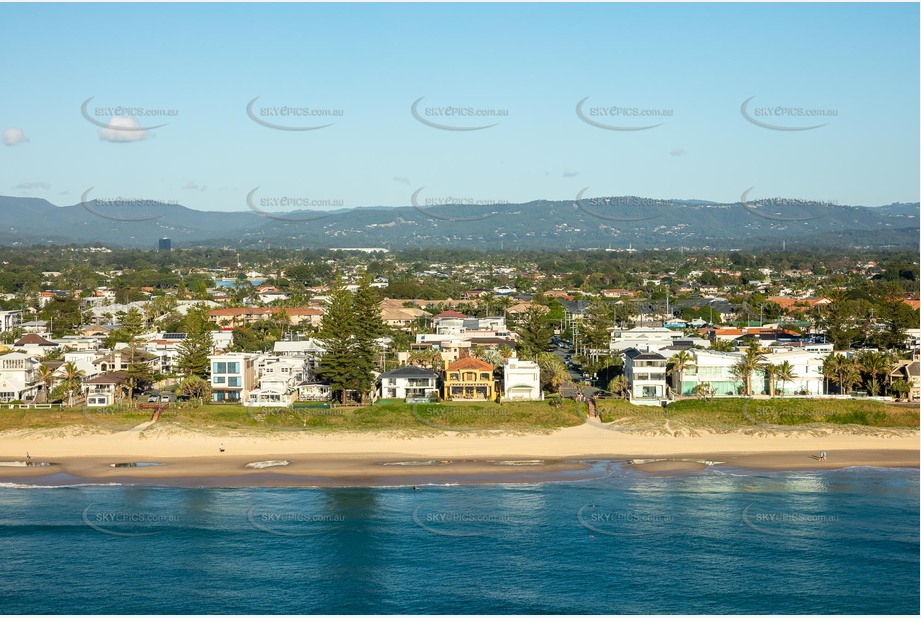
x: 722, y: 541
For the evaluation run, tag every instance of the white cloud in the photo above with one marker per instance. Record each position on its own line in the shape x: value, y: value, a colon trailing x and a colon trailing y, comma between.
x: 32, y: 185
x: 123, y: 129
x: 193, y: 186
x: 14, y: 137
x: 678, y: 152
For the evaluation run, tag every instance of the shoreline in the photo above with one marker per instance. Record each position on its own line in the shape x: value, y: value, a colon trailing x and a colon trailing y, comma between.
x: 352, y: 471
x: 194, y: 459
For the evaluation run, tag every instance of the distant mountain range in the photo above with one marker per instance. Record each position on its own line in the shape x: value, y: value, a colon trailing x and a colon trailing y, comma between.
x: 602, y: 223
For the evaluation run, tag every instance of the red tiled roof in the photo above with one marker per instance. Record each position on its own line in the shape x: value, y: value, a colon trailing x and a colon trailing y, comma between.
x: 470, y: 363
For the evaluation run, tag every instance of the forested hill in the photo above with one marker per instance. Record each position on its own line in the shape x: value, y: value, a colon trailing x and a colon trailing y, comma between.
x: 618, y: 222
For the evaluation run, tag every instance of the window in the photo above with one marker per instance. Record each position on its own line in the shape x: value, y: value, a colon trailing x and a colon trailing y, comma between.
x: 454, y: 377
x: 233, y: 367
x: 220, y: 380
x: 484, y: 376
x: 220, y: 367
x: 234, y: 382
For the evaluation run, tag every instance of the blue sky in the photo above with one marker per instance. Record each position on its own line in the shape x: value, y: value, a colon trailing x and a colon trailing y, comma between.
x: 695, y: 63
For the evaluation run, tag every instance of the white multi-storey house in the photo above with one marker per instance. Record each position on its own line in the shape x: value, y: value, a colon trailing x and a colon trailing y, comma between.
x: 18, y: 377
x: 521, y: 380
x: 645, y: 373
x: 408, y: 383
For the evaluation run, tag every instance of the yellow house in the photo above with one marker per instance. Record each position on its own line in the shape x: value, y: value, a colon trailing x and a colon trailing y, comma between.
x: 469, y: 378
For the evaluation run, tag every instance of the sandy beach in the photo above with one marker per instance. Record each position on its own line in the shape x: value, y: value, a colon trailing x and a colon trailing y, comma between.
x: 357, y: 459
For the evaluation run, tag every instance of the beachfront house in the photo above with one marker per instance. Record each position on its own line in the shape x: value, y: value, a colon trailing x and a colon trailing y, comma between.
x: 521, y: 380
x: 714, y: 370
x: 314, y: 390
x: 910, y: 371
x: 105, y: 389
x: 408, y: 383
x: 309, y: 349
x: 278, y: 379
x: 233, y: 376
x: 645, y: 373
x: 469, y: 378
x: 18, y: 377
x: 807, y: 376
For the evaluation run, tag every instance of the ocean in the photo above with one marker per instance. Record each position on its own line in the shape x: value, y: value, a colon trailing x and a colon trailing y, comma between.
x: 720, y: 541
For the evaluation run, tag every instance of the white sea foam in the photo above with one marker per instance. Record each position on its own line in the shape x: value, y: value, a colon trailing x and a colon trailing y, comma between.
x: 268, y: 464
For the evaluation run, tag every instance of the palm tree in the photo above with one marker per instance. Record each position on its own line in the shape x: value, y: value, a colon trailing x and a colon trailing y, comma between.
x: 73, y: 377
x: 487, y: 299
x: 553, y: 372
x: 843, y: 371
x: 747, y: 366
x: 46, y: 377
x: 831, y: 366
x: 505, y: 302
x: 875, y: 364
x: 784, y: 372
x: 850, y: 376
x: 900, y: 388
x: 679, y: 362
x: 770, y: 372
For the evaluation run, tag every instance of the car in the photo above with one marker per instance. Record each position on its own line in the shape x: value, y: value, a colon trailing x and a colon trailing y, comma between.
x: 167, y: 397
x: 153, y: 398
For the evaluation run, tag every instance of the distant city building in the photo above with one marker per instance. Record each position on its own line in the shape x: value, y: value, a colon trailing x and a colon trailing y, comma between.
x: 165, y: 244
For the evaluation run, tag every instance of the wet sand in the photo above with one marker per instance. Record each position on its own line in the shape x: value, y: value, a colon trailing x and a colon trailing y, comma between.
x: 363, y: 470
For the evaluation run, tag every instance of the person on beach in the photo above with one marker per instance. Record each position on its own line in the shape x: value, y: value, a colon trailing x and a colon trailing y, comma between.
x: 28, y: 457
x: 222, y: 447
x: 823, y: 455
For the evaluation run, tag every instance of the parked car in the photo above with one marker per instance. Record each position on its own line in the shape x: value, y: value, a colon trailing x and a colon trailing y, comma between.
x: 167, y: 397
x: 153, y: 398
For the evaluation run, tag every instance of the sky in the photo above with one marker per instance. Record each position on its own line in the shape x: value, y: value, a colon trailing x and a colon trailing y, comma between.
x: 665, y: 101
